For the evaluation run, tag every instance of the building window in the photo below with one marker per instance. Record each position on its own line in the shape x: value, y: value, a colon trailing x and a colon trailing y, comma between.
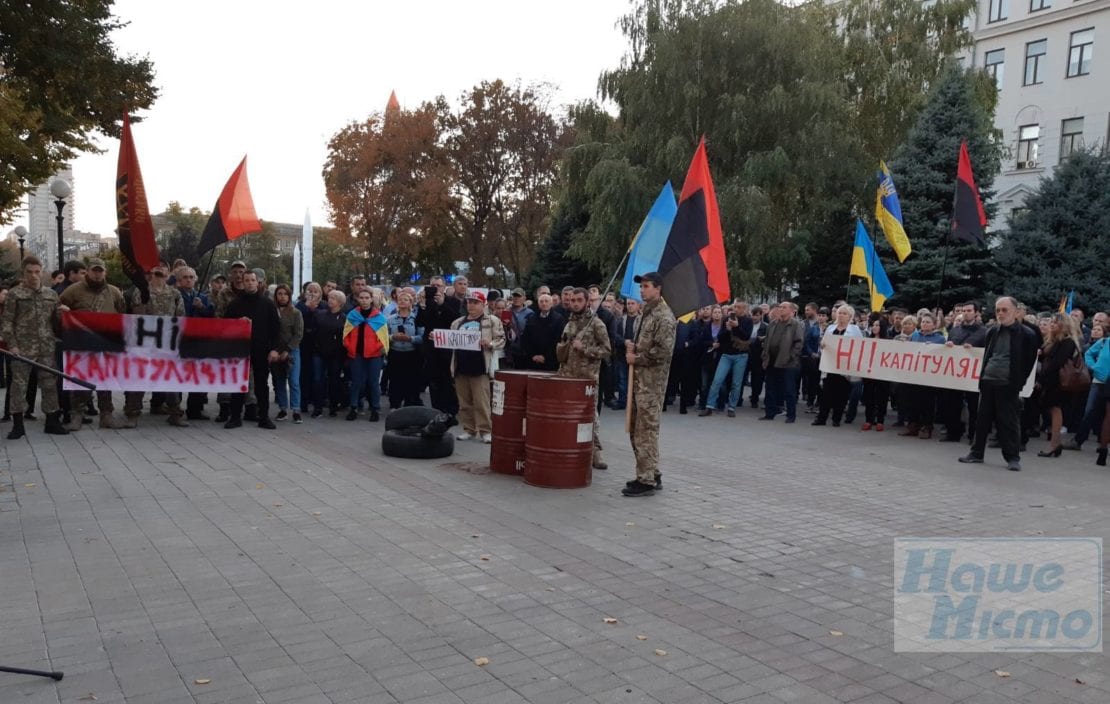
x: 1018, y: 214
x: 1028, y: 148
x: 1071, y: 136
x: 1035, y: 5
x: 1079, y: 57
x: 1034, y: 57
x: 999, y: 10
x: 995, y: 62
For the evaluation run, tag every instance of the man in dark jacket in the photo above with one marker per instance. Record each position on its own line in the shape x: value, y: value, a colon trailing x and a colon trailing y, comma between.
x: 265, y: 329
x: 782, y: 360
x: 1009, y: 357
x: 734, y: 342
x: 541, y: 335
x: 968, y: 332
x: 440, y: 310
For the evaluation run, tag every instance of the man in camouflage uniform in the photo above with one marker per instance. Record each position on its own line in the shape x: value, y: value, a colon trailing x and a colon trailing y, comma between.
x: 164, y: 300
x: 649, y: 354
x: 580, y: 351
x: 27, y: 325
x: 97, y: 295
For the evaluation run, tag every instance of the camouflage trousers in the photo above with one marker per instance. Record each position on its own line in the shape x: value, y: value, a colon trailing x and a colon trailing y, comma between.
x: 79, y: 399
x: 21, y: 375
x: 133, y: 403
x: 646, y: 411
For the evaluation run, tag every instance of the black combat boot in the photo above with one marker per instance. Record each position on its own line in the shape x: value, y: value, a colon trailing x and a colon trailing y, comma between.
x: 17, y: 427
x: 54, y: 424
x: 225, y: 413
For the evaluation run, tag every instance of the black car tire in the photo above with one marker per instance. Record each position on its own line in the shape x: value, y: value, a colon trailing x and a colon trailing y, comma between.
x: 411, y: 444
x: 410, y: 417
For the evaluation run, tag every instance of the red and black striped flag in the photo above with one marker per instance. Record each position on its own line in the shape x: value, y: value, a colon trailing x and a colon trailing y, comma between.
x: 135, y: 228
x: 693, y: 265
x: 969, y: 220
x: 86, y: 331
x: 233, y: 215
x: 214, y: 338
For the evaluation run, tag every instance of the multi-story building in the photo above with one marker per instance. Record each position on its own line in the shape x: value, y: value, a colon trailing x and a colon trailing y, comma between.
x: 42, y: 220
x: 1053, y: 86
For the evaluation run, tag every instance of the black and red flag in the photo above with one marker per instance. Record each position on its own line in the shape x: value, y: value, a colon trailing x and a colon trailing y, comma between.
x: 135, y: 228
x: 86, y: 331
x: 693, y: 263
x: 214, y: 338
x: 969, y: 220
x: 233, y: 215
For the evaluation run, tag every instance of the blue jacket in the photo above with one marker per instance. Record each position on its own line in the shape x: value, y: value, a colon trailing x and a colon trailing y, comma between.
x: 408, y: 326
x: 811, y: 342
x: 1098, y: 360
x: 188, y: 297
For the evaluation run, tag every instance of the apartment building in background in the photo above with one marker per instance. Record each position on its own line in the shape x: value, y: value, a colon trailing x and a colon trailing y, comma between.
x: 42, y: 220
x: 1051, y: 62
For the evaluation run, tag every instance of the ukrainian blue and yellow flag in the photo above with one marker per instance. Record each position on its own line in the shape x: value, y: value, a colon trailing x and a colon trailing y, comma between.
x: 369, y: 330
x: 888, y: 211
x: 866, y: 264
x: 647, y: 247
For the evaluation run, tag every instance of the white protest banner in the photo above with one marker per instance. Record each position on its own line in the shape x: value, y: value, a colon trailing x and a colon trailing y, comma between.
x: 457, y: 339
x: 155, y: 353
x: 918, y: 363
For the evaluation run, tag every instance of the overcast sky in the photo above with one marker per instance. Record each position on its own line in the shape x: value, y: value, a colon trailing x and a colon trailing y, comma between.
x: 251, y: 77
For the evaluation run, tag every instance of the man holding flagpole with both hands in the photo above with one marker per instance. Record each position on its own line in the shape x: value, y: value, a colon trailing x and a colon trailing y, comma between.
x: 648, y: 356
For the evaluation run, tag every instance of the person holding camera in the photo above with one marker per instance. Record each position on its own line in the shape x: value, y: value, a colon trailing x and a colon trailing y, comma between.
x: 734, y: 344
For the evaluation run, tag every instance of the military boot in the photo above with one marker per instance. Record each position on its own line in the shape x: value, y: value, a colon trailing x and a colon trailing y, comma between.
x: 17, y: 427
x: 75, y: 423
x: 130, y: 422
x: 108, y: 421
x: 54, y: 424
x: 598, y: 462
x: 225, y: 413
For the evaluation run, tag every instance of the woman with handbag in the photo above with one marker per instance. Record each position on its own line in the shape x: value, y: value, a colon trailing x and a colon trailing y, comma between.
x: 1061, y: 375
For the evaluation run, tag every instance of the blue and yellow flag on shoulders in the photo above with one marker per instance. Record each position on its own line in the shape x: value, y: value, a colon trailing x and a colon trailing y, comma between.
x: 866, y: 264
x: 888, y: 211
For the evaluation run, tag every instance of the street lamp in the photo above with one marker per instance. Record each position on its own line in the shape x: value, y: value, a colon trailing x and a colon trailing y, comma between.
x: 60, y: 189
x: 21, y: 235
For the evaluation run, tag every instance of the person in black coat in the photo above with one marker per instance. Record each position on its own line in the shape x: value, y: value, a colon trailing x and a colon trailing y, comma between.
x: 441, y: 308
x: 265, y: 331
x: 1010, y: 355
x: 329, y: 354
x: 541, y: 335
x: 698, y: 343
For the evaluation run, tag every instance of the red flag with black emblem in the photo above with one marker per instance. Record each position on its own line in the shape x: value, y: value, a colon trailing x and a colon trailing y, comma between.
x: 134, y: 226
x: 693, y: 265
x: 969, y: 219
x: 233, y: 215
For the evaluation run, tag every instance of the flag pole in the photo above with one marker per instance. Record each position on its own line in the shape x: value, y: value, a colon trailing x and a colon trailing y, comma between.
x: 616, y: 273
x: 207, y: 267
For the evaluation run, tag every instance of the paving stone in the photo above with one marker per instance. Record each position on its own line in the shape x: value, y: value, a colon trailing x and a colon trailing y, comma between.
x: 141, y: 561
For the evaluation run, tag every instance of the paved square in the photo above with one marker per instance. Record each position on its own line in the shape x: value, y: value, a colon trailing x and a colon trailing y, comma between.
x: 201, y: 565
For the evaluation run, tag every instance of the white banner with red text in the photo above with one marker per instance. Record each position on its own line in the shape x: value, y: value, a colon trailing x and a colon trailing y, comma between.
x: 457, y: 339
x: 156, y: 353
x: 920, y: 363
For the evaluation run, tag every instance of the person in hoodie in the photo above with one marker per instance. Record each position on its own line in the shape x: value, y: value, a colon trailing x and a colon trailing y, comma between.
x: 366, y: 339
x: 252, y: 303
x: 287, y: 370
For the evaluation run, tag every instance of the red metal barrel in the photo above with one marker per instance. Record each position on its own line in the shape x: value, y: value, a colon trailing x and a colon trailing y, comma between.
x: 558, y: 444
x: 509, y: 404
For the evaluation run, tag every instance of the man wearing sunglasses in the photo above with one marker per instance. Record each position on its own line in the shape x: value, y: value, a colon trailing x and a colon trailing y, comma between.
x: 164, y: 300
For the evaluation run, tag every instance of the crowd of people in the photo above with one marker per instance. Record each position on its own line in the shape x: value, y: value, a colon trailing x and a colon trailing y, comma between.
x: 326, y: 350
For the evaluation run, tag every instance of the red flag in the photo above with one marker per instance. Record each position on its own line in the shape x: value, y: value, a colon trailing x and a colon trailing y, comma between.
x: 233, y: 215
x: 135, y: 229
x: 693, y: 265
x: 969, y: 220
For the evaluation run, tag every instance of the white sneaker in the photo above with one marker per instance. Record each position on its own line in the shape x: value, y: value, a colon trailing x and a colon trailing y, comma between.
x: 463, y: 436
x: 487, y: 438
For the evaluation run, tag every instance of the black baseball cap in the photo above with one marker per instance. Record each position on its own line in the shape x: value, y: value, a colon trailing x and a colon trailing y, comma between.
x: 652, y: 277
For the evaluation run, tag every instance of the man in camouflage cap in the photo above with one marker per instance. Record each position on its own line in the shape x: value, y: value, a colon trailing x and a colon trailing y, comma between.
x: 649, y: 355
x: 164, y: 300
x: 97, y: 295
x: 27, y: 325
x: 580, y: 351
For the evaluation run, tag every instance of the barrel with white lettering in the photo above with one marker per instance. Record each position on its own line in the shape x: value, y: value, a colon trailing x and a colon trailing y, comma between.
x: 509, y: 406
x: 558, y: 440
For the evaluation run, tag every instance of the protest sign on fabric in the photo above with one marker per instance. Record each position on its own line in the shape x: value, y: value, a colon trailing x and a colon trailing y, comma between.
x: 918, y: 363
x: 457, y: 339
x: 156, y: 353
